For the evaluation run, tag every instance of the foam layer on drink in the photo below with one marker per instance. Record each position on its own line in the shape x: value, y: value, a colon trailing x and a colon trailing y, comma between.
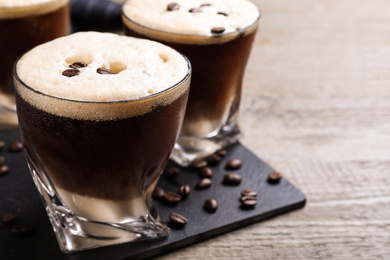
x: 190, y: 19
x: 10, y: 9
x: 143, y: 69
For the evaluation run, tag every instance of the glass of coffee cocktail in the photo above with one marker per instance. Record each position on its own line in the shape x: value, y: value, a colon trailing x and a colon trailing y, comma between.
x: 23, y: 25
x: 216, y: 36
x: 99, y: 115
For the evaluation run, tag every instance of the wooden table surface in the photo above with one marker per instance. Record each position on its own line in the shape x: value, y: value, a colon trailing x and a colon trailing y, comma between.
x: 316, y: 106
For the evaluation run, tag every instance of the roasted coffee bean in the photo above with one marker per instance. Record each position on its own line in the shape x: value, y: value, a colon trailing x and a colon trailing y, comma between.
x: 206, y: 172
x: 274, y: 177
x: 15, y: 147
x: 4, y: 169
x: 2, y: 160
x: 199, y: 163
x: 232, y: 179
x: 249, y: 192
x: 104, y: 71
x: 8, y: 218
x: 217, y: 30
x: 221, y: 152
x: 194, y: 10
x: 222, y: 13
x: 173, y: 7
x: 71, y: 72
x: 210, y: 205
x: 203, y: 183
x: 172, y: 171
x: 184, y: 190
x: 172, y: 197
x: 20, y: 230
x: 233, y: 164
x: 78, y: 65
x: 248, y: 201
x: 177, y: 220
x: 203, y: 5
x: 2, y: 144
x: 158, y: 193
x: 214, y: 159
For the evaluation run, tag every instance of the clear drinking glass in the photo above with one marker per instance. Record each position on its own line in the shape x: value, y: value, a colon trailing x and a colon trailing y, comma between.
x: 23, y: 25
x: 96, y: 168
x: 218, y: 60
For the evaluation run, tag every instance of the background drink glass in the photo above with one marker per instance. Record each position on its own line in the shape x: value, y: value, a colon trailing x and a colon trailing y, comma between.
x: 218, y: 60
x: 23, y: 25
x: 96, y: 164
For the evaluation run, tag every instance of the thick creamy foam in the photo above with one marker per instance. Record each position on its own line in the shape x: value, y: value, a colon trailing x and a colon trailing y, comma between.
x: 23, y: 8
x: 235, y: 16
x: 143, y: 68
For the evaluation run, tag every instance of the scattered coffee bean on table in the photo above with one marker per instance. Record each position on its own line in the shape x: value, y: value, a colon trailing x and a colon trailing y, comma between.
x: 8, y: 218
x: 249, y: 192
x: 233, y: 164
x: 172, y: 171
x: 15, y: 147
x: 184, y: 191
x: 221, y: 152
x: 232, y: 179
x: 177, y: 220
x: 203, y: 183
x: 20, y: 230
x: 199, y: 163
x: 210, y: 205
x: 2, y: 144
x: 2, y: 160
x: 158, y: 193
x: 274, y: 177
x: 4, y: 169
x: 172, y: 197
x: 206, y: 172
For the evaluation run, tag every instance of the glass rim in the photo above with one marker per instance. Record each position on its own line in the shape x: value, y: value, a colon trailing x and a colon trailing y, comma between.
x: 203, y: 36
x: 171, y: 88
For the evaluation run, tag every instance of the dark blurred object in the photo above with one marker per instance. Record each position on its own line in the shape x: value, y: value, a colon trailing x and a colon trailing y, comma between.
x: 97, y: 15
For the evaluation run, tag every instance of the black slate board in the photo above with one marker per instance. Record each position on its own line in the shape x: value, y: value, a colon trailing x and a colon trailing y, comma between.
x: 19, y: 195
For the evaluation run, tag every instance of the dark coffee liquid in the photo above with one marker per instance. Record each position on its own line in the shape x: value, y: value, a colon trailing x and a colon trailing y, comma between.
x: 102, y: 159
x: 218, y: 71
x: 21, y: 34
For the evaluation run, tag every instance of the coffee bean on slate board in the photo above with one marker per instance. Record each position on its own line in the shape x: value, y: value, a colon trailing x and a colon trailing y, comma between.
x: 158, y: 193
x: 214, y: 159
x: 232, y: 179
x: 203, y: 183
x: 206, y: 172
x: 20, y: 230
x: 199, y: 163
x: 221, y: 152
x: 2, y: 160
x: 15, y: 147
x: 172, y: 197
x: 210, y: 205
x: 185, y: 190
x: 4, y: 169
x: 177, y: 220
x: 172, y: 171
x: 274, y: 177
x: 249, y: 192
x: 2, y: 144
x: 233, y: 164
x: 8, y: 218
x: 248, y: 201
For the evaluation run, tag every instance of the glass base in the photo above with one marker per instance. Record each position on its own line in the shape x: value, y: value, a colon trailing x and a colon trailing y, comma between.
x: 76, y: 233
x: 189, y: 148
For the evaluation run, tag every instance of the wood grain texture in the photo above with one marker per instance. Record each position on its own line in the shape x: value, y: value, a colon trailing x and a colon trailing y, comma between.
x: 316, y: 106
